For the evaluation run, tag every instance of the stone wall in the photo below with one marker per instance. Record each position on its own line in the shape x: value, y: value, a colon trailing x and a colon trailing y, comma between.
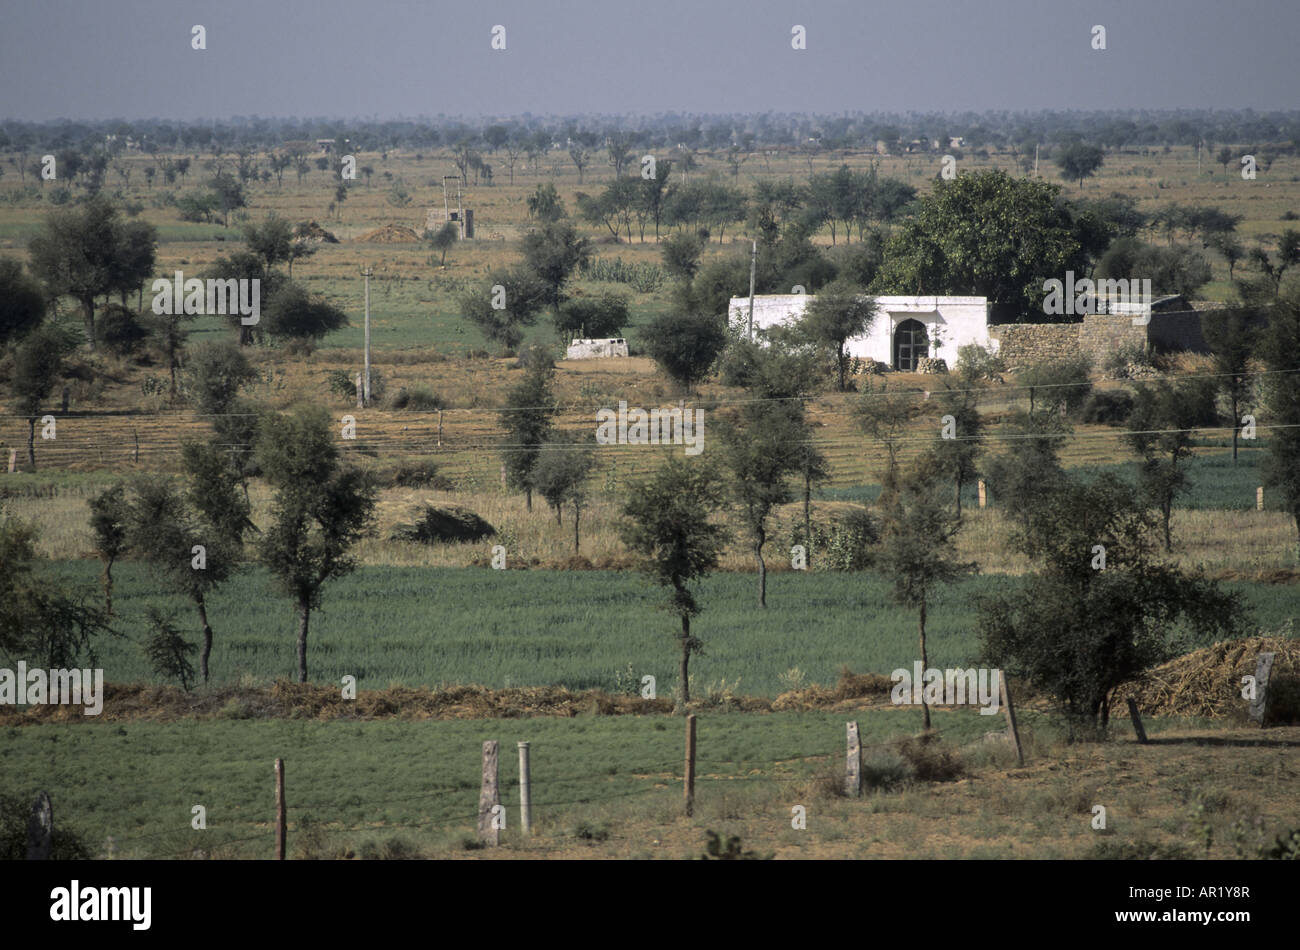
x: 1101, y: 334
x: 1020, y: 344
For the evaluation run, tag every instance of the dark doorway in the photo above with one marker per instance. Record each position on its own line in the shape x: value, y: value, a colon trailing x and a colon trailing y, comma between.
x: 911, y: 343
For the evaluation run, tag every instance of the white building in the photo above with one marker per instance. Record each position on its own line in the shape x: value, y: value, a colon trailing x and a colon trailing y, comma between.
x: 905, y: 328
x: 596, y: 349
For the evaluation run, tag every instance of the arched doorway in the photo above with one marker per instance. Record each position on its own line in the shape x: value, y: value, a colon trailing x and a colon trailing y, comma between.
x: 911, y: 343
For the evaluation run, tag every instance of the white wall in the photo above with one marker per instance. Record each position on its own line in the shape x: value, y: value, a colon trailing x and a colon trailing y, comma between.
x: 957, y: 320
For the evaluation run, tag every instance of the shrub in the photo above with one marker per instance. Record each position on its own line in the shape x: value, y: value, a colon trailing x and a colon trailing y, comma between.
x: 415, y: 475
x: 976, y: 362
x: 415, y: 399
x: 120, y: 331
x: 928, y: 760
x: 851, y: 539
x: 1057, y: 385
x: 14, y: 813
x: 1110, y: 407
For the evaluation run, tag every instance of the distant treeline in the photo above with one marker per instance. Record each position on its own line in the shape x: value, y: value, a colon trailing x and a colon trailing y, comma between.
x: 988, y: 130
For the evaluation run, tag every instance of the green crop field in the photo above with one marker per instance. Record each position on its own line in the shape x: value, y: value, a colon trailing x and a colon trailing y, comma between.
x: 581, y: 629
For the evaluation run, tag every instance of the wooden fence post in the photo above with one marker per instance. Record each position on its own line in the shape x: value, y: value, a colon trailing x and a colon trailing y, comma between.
x: 439, y: 428
x: 525, y: 791
x: 1137, y: 720
x: 1263, y: 672
x: 983, y: 493
x: 1259, y: 498
x: 489, y: 797
x: 1012, y: 732
x: 853, y: 763
x: 690, y: 765
x: 279, y: 810
x: 361, y: 389
x: 40, y: 829
x: 13, y: 461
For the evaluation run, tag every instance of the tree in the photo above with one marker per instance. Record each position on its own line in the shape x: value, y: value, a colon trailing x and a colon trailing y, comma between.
x: 443, y: 239
x: 684, y: 346
x: 592, y: 317
x: 1161, y: 422
x: 561, y: 475
x: 321, y: 509
x: 271, y: 241
x: 1078, y: 626
x: 75, y: 253
x: 504, y: 305
x: 185, y: 551
x: 761, y: 451
x: 1232, y: 334
x: 292, y: 313
x: 545, y: 204
x: 681, y: 255
x: 666, y: 519
x: 553, y: 252
x: 217, y: 371
x: 1276, y: 266
x: 109, y: 517
x: 917, y: 546
x: 955, y: 453
x: 839, y: 312
x: 1231, y: 249
x: 581, y: 157
x: 530, y: 407
x: 38, y: 364
x: 986, y: 234
x: 229, y: 195
x: 22, y: 305
x: 1280, y: 348
x: 884, y: 415
x: 1079, y: 161
x: 38, y: 617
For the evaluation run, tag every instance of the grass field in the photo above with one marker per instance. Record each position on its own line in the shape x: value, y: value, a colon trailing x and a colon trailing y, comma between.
x: 611, y: 786
x: 581, y: 629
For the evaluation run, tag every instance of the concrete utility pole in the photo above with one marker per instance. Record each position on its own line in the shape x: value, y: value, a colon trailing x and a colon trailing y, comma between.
x: 1035, y: 159
x: 753, y: 267
x: 365, y: 382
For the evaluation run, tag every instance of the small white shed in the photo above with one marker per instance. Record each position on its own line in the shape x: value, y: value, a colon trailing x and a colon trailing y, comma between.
x: 595, y: 349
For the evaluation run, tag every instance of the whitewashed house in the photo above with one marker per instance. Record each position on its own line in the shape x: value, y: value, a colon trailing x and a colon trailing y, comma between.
x: 905, y: 329
x: 595, y: 349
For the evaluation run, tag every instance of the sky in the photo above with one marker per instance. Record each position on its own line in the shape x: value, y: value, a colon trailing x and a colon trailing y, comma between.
x: 132, y: 59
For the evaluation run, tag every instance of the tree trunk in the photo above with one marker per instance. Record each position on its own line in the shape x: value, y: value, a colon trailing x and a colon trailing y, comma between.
x: 207, y: 638
x: 1236, y: 425
x: 762, y: 571
x: 88, y: 320
x: 925, y: 666
x: 958, y: 496
x: 31, y: 442
x: 807, y: 513
x: 528, y: 498
x: 577, y: 513
x: 108, y: 587
x: 839, y: 365
x: 684, y: 670
x: 304, y: 615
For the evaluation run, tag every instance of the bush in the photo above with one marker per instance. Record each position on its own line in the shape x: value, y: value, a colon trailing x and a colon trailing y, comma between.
x: 415, y: 475
x: 1110, y: 407
x: 416, y: 399
x: 851, y: 539
x: 120, y: 331
x: 14, y: 814
x: 976, y: 362
x: 344, y: 384
x: 1058, y: 385
x: 928, y: 760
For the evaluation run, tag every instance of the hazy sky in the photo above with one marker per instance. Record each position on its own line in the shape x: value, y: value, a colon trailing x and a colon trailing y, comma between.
x: 387, y: 58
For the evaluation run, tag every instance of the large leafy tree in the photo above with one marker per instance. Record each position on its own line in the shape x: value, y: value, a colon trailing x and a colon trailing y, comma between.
x: 502, y: 307
x: 666, y: 519
x: 1078, y: 161
x: 685, y: 346
x: 38, y: 365
x: 1078, y: 629
x: 87, y: 252
x: 985, y: 234
x: 321, y: 509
